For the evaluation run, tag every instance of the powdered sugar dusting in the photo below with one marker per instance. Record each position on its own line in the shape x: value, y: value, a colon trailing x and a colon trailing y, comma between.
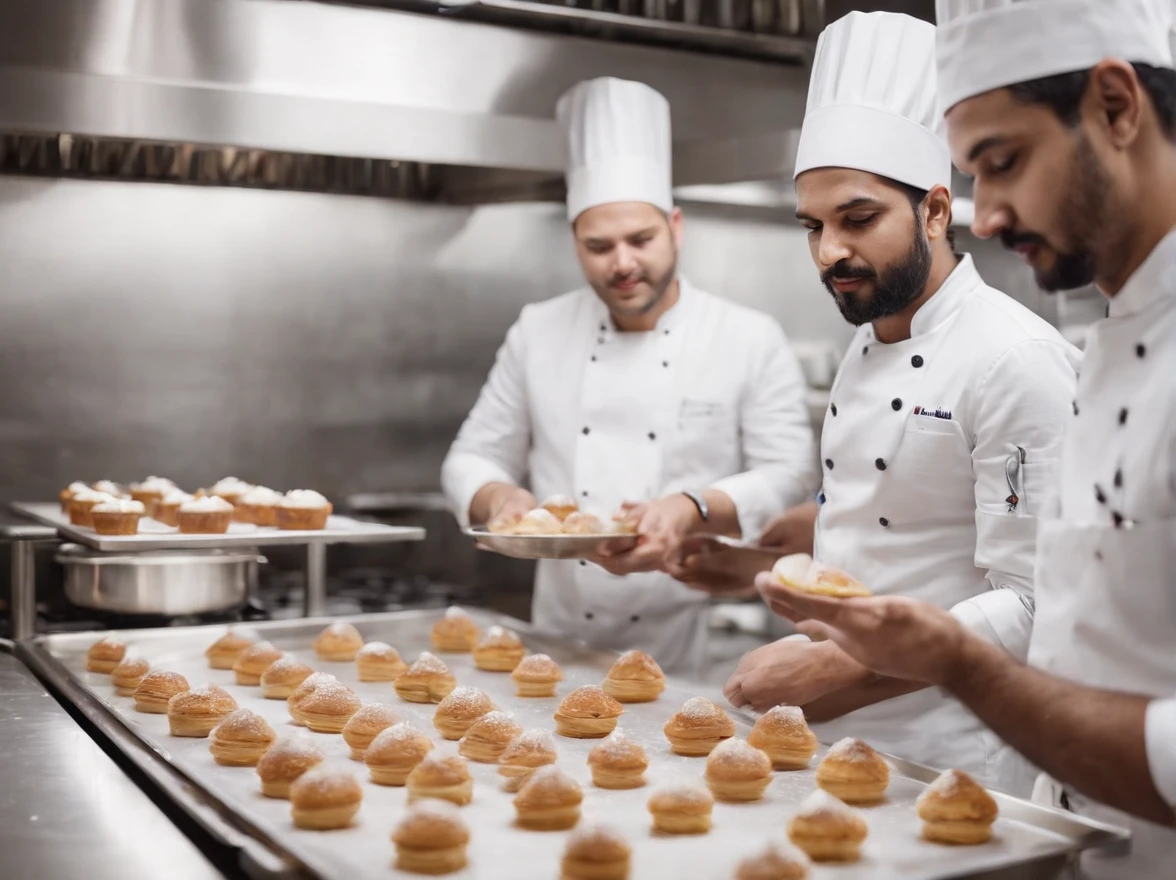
x: 550, y: 784
x: 465, y: 701
x: 738, y: 751
x: 374, y: 715
x: 294, y: 746
x: 497, y: 636
x: 536, y: 664
x: 379, y: 649
x: 109, y: 643
x: 595, y: 837
x: 820, y: 803
x: 785, y: 717
x: 494, y: 725
x: 685, y: 792
x: 952, y: 784
x: 342, y: 629
x: 398, y: 736
x: 853, y: 750
x: 327, y: 781
x: 131, y: 667
x: 453, y: 612
x: 331, y: 698
x: 533, y: 741
x: 699, y: 709
x: 428, y: 664
x: 258, y: 651
x: 244, y: 724
x: 285, y: 664
x: 617, y: 747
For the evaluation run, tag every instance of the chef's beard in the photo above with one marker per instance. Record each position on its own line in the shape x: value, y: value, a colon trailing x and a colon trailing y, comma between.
x: 895, y: 288
x: 658, y: 286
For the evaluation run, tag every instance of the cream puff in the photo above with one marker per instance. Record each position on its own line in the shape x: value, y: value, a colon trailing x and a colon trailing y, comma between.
x: 548, y: 801
x: 309, y: 684
x: 284, y: 762
x: 635, y: 678
x: 128, y: 675
x: 66, y: 495
x: 303, y: 510
x: 488, y: 737
x: 105, y: 654
x: 258, y: 506
x: 82, y: 502
x: 827, y: 829
x: 117, y: 517
x: 595, y: 852
x: 156, y: 689
x: 784, y: 734
x: 223, y: 653
x: 151, y: 491
x: 455, y: 633
x: 338, y: 643
x: 681, y: 808
x: 956, y: 809
x: 210, y: 515
x: 560, y: 506
x: 697, y: 728
x: 241, y: 739
x: 537, y: 522
x: 618, y: 762
x: 536, y: 676
x: 527, y: 751
x: 737, y: 772
x: 587, y: 713
x: 283, y: 677
x: 394, y: 753
x: 580, y: 523
x: 804, y: 574
x: 111, y: 488
x: 197, y: 711
x: 498, y: 650
x: 378, y: 661
x: 431, y: 839
x: 169, y: 505
x: 254, y: 661
x: 362, y: 727
x: 229, y: 488
x: 457, y: 712
x: 327, y: 708
x: 428, y: 680
x: 780, y: 861
x: 324, y: 798
x: 445, y: 777
x: 853, y: 772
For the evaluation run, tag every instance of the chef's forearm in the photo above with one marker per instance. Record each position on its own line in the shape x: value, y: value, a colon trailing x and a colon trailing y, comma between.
x: 876, y: 689
x: 723, y: 515
x: 1089, y: 739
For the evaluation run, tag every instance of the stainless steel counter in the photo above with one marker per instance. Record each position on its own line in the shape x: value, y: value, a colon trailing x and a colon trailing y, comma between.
x: 66, y: 809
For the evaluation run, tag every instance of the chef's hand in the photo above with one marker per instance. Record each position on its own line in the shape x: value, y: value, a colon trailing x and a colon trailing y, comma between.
x: 501, y: 503
x: 791, y: 672
x: 661, y: 526
x: 702, y: 564
x: 889, y: 635
x: 793, y: 530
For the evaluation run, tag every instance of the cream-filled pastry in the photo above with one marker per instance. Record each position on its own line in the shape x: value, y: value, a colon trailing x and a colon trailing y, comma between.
x: 697, y: 728
x: 156, y: 689
x: 488, y: 737
x: 853, y: 772
x: 784, y: 734
x: 303, y: 510
x: 285, y: 761
x: 596, y: 852
x: 431, y: 839
x: 804, y: 574
x: 537, y: 522
x: 427, y: 680
x: 455, y: 632
x: 737, y: 772
x: 445, y: 777
x: 498, y: 650
x: 338, y: 643
x: 309, y: 684
x: 779, y: 861
x: 327, y: 708
x: 394, y: 753
x: 379, y: 661
x: 241, y: 739
x: 681, y: 808
x: 117, y: 517
x: 223, y: 653
x: 324, y: 798
x: 363, y: 727
x: 635, y: 678
x: 254, y: 661
x: 587, y: 713
x: 210, y: 515
x: 258, y: 506
x: 827, y: 829
x: 283, y: 677
x: 618, y: 762
x: 580, y: 523
x: 560, y: 506
x: 522, y: 755
x: 128, y: 675
x: 536, y: 676
x: 548, y: 801
x: 197, y: 711
x: 105, y: 654
x: 956, y: 809
x: 458, y: 710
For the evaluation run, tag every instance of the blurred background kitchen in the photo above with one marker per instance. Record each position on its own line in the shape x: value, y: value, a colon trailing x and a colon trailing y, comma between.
x: 283, y: 240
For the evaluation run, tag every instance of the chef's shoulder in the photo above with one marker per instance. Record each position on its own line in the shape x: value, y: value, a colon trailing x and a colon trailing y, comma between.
x: 551, y: 317
x: 1001, y: 331
x: 743, y: 327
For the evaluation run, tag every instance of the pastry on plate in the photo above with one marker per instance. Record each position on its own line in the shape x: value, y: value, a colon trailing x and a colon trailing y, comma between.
x: 956, y: 809
x: 258, y: 506
x: 635, y: 678
x: 394, y: 752
x: 169, y: 505
x: 230, y: 489
x: 804, y: 574
x: 197, y: 711
x: 303, y: 510
x: 697, y: 728
x: 66, y: 495
x: 428, y: 680
x: 210, y: 515
x: 362, y: 727
x: 309, y: 684
x: 324, y: 798
x: 339, y: 643
x: 522, y: 755
x: 156, y: 690
x: 285, y: 761
x: 681, y: 808
x: 488, y: 737
x: 105, y: 654
x: 327, y: 708
x: 618, y: 762
x: 82, y: 502
x: 784, y: 734
x: 379, y: 661
x: 112, y: 488
x: 536, y: 523
x: 431, y: 839
x: 455, y: 632
x: 117, y: 517
x: 536, y: 676
x: 128, y: 675
x: 241, y: 739
x: 223, y: 653
x: 827, y: 829
x: 283, y: 676
x: 498, y: 650
x: 595, y: 852
x: 580, y: 523
x: 780, y: 861
x: 560, y: 506
x: 459, y: 709
x: 254, y: 661
x: 853, y: 772
x: 737, y: 772
x: 445, y: 777
x: 548, y: 801
x: 151, y: 491
x: 587, y: 713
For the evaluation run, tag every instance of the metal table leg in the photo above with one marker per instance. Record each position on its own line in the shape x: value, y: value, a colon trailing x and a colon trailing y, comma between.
x: 24, y: 539
x: 315, y: 604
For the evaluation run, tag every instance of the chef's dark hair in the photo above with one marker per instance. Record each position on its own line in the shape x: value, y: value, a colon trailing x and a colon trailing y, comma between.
x: 1063, y: 94
x: 916, y: 197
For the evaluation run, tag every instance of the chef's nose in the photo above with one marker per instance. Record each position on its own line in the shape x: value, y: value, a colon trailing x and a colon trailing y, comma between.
x: 992, y: 213
x: 831, y: 249
x: 624, y: 260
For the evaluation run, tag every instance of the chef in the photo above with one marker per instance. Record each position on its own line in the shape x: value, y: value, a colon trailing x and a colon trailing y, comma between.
x: 1065, y: 113
x: 639, y: 389
x: 946, y: 415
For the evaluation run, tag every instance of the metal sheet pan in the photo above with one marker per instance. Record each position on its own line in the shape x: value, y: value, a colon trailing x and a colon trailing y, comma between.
x: 155, y: 535
x: 548, y: 546
x: 1030, y: 841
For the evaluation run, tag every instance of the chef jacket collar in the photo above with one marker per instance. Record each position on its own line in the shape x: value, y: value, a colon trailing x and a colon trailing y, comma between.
x: 672, y: 319
x: 946, y: 301
x: 1154, y: 280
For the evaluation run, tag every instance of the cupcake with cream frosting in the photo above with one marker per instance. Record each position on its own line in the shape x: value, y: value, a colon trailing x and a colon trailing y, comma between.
x: 230, y: 488
x: 66, y: 495
x: 111, y: 488
x: 151, y: 491
x: 84, y: 501
x: 209, y: 515
x: 259, y: 506
x: 303, y: 509
x: 117, y: 516
x: 169, y: 505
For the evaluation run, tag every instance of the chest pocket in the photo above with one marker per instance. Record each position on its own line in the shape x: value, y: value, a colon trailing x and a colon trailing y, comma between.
x: 705, y: 441
x: 930, y: 478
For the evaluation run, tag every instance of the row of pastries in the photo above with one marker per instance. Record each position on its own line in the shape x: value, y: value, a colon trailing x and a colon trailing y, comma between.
x: 432, y: 837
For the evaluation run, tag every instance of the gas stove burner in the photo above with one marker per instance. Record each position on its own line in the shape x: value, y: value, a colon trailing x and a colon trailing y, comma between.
x: 94, y: 619
x: 362, y: 590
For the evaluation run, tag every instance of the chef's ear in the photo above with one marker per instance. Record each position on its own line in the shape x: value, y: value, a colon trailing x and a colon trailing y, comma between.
x: 675, y: 221
x: 937, y: 213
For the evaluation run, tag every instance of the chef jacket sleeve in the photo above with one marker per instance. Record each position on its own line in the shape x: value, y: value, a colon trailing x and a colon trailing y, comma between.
x: 776, y: 435
x: 1160, y: 736
x: 493, y: 443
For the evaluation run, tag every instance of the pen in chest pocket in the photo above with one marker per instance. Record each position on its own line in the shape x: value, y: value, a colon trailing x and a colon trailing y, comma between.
x: 1014, y: 476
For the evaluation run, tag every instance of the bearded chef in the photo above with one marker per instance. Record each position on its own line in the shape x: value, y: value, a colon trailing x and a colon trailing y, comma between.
x: 637, y: 389
x: 946, y: 415
x: 1065, y: 113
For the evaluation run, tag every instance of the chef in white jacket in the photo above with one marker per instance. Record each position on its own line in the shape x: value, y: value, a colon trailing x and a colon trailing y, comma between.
x: 1065, y: 113
x: 637, y: 389
x: 946, y: 416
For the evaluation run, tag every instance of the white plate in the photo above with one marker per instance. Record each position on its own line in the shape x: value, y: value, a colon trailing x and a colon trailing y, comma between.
x: 549, y: 546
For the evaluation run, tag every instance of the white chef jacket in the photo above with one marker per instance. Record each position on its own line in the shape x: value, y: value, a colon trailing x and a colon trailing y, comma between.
x: 1160, y: 734
x: 918, y: 446
x: 711, y: 398
x: 1106, y: 559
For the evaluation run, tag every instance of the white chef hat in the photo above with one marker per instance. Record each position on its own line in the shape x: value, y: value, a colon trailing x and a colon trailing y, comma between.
x: 618, y: 144
x: 871, y: 101
x: 988, y: 44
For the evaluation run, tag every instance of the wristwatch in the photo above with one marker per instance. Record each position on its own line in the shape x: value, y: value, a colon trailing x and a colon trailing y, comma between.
x: 699, y: 502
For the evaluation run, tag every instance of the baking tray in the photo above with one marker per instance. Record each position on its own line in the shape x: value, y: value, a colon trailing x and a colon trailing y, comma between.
x: 548, y: 546
x: 154, y: 535
x: 1030, y: 841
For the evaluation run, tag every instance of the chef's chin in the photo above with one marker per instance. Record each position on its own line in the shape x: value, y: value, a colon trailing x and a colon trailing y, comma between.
x: 1066, y: 272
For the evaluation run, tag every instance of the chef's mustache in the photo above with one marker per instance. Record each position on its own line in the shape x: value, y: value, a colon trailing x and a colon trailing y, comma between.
x: 843, y: 269
x: 1011, y: 239
x: 622, y: 279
